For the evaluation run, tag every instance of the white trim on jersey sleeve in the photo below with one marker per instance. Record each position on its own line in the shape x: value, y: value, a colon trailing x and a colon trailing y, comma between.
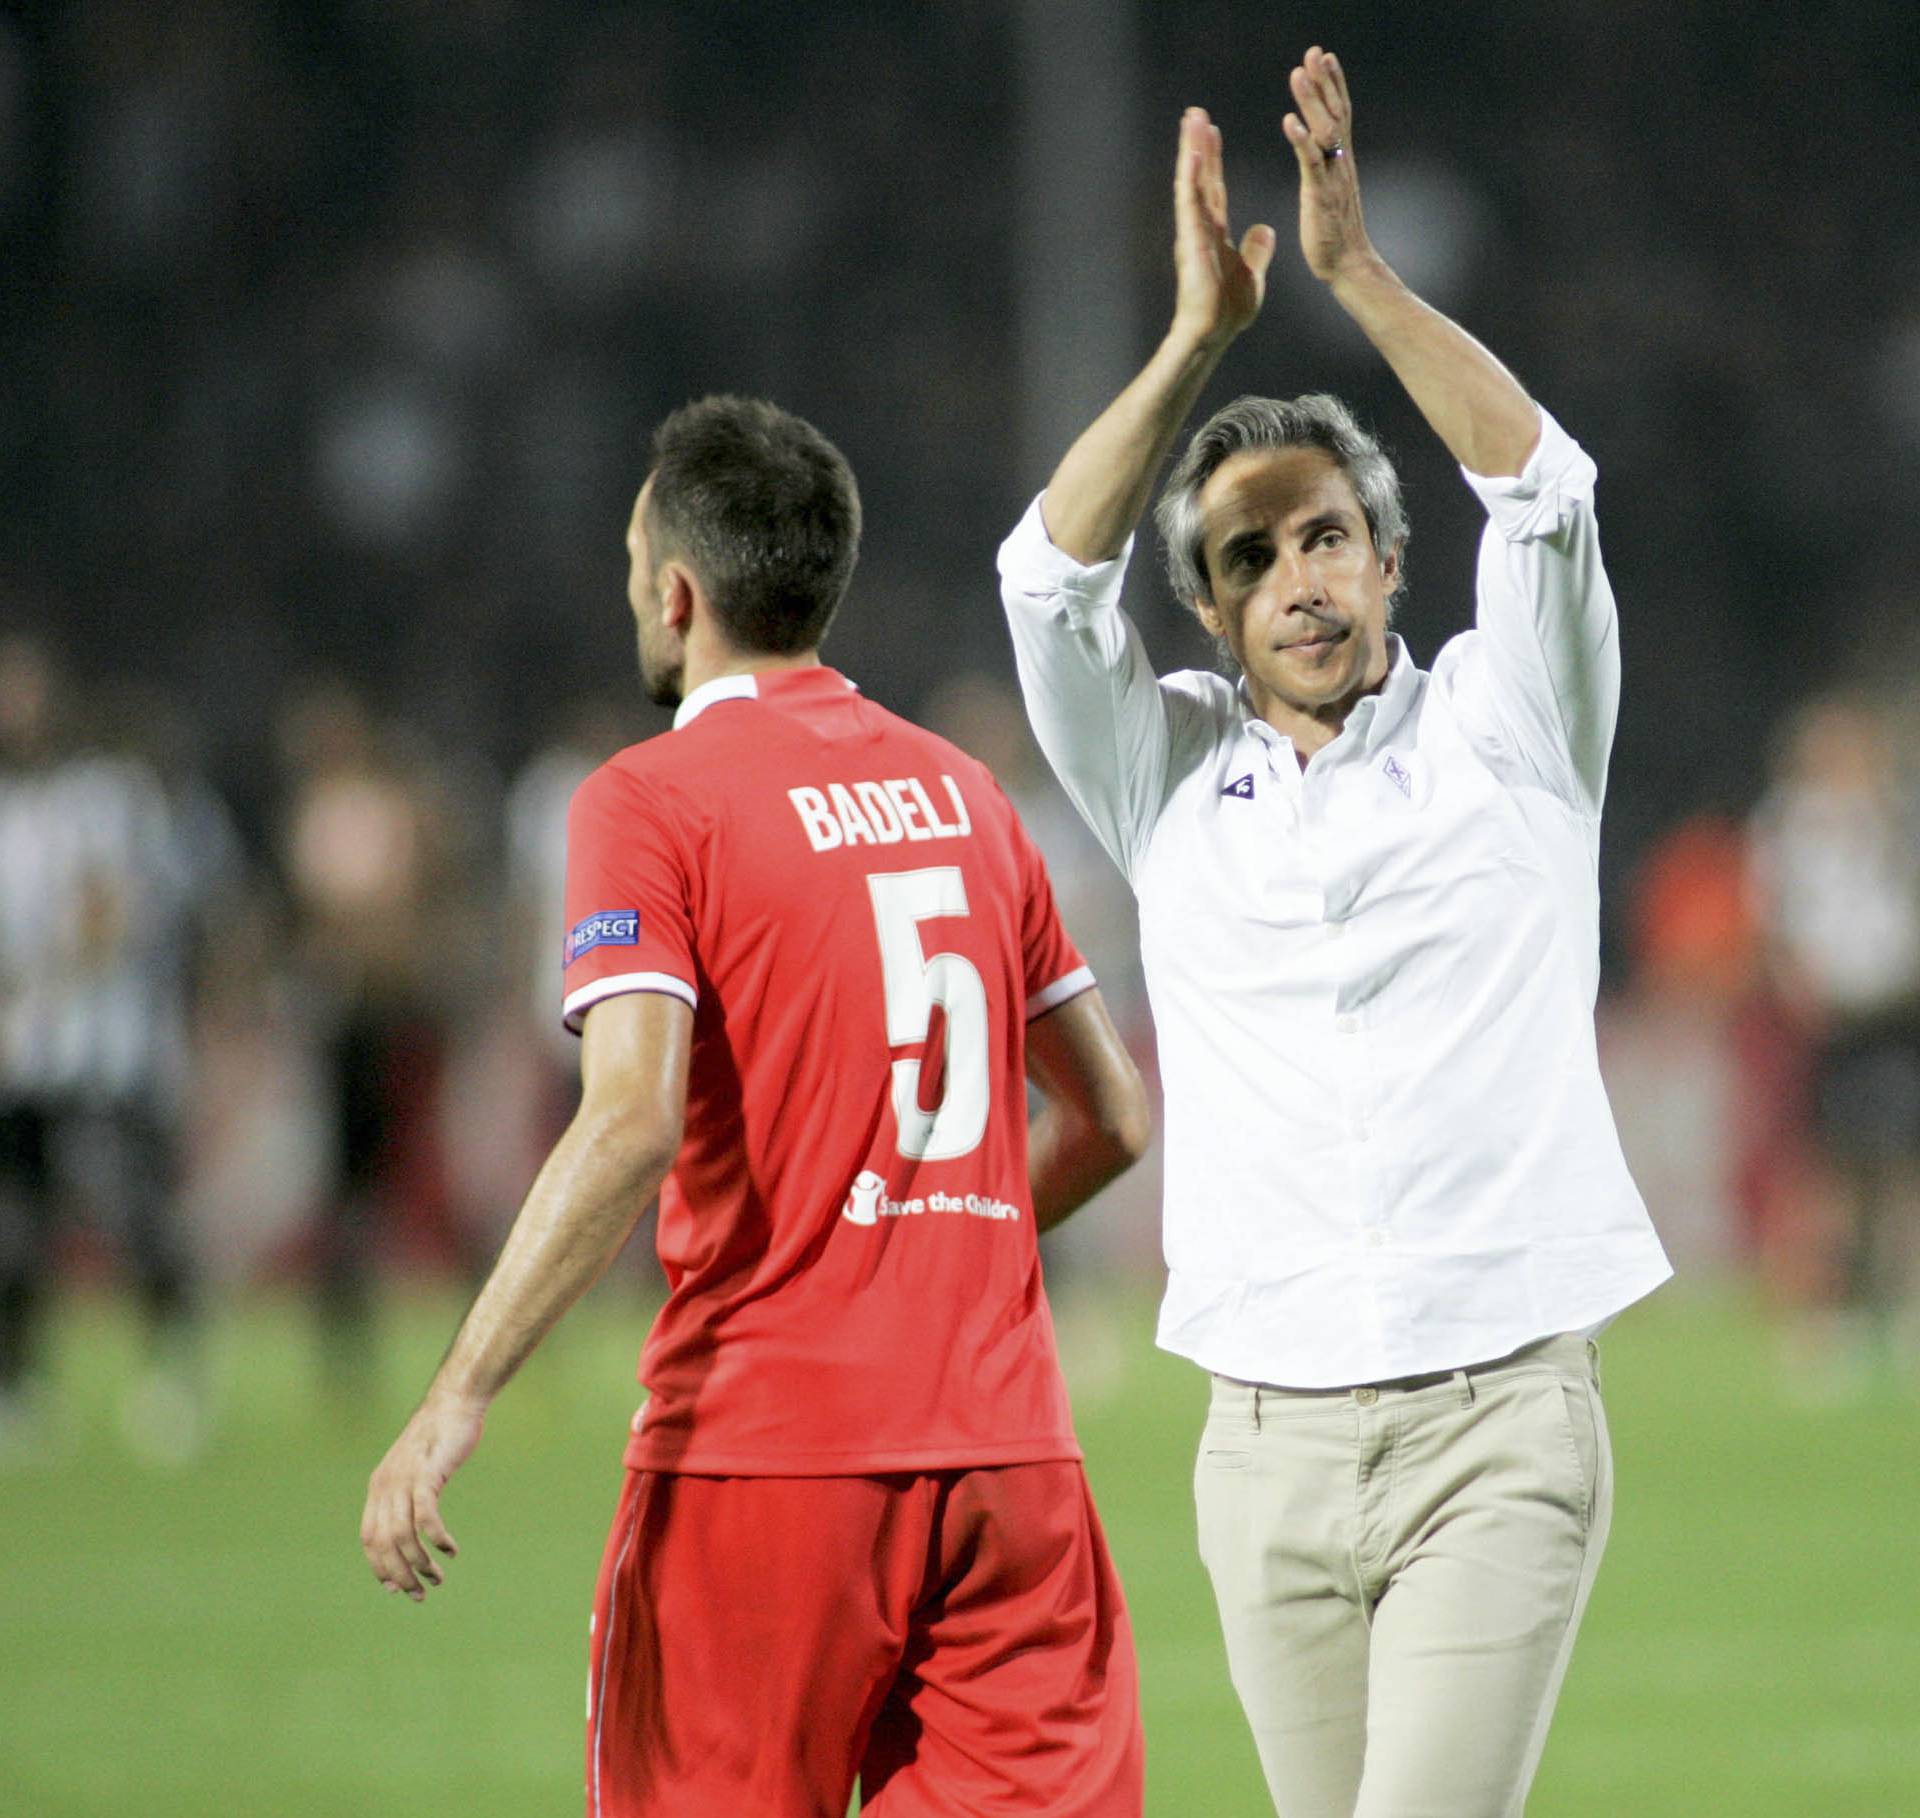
x: 619, y: 985
x: 1050, y: 997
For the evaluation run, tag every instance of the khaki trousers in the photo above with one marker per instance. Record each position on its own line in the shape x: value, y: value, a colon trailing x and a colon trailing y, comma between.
x: 1401, y: 1569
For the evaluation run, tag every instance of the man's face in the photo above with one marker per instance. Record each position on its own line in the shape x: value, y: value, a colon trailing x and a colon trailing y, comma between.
x: 662, y: 661
x: 1297, y: 591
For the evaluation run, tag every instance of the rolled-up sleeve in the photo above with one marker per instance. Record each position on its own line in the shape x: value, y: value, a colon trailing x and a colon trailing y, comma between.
x: 1091, y: 694
x: 1546, y: 614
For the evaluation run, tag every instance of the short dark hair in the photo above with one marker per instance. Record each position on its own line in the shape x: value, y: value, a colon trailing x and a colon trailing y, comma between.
x: 765, y: 511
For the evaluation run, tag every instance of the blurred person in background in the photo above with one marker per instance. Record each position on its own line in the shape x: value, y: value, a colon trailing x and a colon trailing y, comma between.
x: 1396, y: 1209
x: 1837, y: 855
x: 1709, y: 1065
x: 1677, y: 1047
x: 113, y: 878
x: 379, y: 941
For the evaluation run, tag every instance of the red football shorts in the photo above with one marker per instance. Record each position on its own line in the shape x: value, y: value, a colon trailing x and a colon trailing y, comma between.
x: 955, y: 1639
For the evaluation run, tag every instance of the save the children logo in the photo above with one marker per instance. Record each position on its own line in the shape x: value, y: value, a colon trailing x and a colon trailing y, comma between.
x: 868, y: 1202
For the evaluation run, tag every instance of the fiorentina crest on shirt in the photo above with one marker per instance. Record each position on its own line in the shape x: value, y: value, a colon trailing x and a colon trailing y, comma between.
x: 1241, y: 786
x: 1398, y: 775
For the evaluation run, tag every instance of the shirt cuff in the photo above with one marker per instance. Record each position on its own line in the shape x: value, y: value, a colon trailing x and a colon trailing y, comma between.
x: 1556, y: 482
x: 1032, y: 567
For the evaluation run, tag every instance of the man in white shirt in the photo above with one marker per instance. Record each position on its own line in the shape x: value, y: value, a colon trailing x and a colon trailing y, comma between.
x: 1396, y: 1209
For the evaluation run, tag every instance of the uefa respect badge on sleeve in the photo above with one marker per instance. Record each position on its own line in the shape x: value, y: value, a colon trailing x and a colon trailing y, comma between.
x: 604, y: 928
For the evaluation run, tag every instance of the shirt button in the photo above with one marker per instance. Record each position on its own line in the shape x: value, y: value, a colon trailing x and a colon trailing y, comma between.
x: 1346, y: 1025
x: 1366, y: 1397
x: 1336, y: 931
x: 1376, y: 1240
x: 1361, y: 1134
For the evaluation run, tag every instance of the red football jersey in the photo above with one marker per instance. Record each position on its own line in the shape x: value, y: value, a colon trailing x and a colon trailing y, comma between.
x: 863, y: 929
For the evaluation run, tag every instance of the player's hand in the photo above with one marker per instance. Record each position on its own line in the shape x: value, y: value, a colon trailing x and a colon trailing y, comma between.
x: 402, y: 1517
x: 1333, y: 234
x: 1219, y: 284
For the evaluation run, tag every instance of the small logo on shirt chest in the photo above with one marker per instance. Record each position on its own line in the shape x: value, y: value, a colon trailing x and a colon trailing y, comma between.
x: 1241, y: 787
x: 1398, y: 775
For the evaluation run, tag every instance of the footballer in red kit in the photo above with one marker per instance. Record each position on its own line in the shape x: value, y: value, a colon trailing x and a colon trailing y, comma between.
x: 815, y: 962
x: 862, y: 929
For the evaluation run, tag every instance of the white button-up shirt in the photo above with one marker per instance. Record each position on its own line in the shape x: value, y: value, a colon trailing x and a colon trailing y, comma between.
x: 1388, y: 1150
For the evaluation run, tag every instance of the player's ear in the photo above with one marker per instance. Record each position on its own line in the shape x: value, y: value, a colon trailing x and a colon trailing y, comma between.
x: 1390, y: 573
x: 676, y: 591
x: 1209, y: 616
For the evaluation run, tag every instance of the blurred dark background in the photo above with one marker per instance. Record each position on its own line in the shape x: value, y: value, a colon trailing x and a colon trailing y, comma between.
x: 331, y: 334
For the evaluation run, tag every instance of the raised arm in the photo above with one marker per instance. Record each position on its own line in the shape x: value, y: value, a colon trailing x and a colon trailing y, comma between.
x: 1476, y: 407
x: 1545, y: 613
x: 1097, y: 708
x: 584, y: 1202
x: 1099, y: 491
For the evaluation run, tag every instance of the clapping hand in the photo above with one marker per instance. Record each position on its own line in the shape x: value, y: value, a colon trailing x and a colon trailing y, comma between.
x: 1220, y: 284
x: 1333, y: 234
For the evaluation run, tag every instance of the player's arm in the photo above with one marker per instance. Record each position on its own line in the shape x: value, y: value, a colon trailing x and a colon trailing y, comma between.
x: 1475, y: 406
x: 580, y: 1210
x: 1098, y: 492
x: 1093, y: 1122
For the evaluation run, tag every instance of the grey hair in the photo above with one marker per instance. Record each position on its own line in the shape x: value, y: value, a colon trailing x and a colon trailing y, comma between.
x: 1317, y: 420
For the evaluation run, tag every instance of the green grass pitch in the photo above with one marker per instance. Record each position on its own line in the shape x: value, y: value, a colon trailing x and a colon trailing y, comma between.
x: 208, y: 1641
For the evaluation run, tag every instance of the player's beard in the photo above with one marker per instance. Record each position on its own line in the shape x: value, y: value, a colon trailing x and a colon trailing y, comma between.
x: 662, y: 672
x: 664, y: 684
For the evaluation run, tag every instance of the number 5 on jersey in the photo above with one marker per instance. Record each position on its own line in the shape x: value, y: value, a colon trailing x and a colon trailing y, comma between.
x: 915, y: 982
